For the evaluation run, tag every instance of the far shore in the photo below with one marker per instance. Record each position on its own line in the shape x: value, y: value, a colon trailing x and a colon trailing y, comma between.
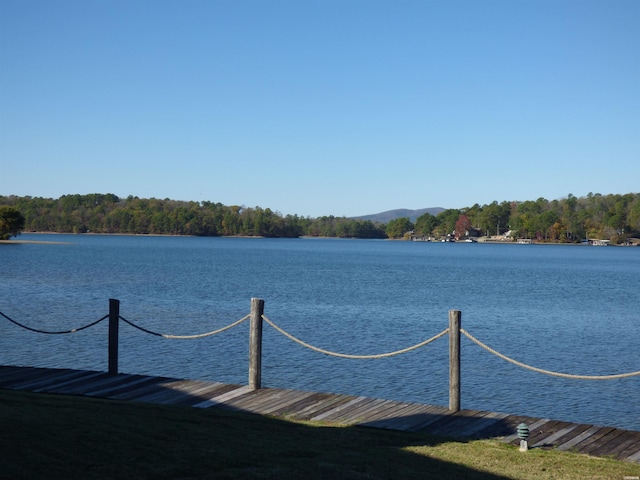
x: 487, y: 240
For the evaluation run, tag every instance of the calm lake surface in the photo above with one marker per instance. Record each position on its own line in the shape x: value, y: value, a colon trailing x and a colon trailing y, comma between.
x: 569, y: 309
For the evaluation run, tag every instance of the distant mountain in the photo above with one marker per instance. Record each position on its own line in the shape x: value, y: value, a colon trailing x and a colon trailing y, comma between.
x: 386, y: 217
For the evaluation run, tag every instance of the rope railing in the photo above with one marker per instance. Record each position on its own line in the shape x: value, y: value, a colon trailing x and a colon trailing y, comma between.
x: 185, y: 337
x: 329, y: 352
x: 142, y: 329
x: 346, y: 355
x: 49, y: 332
x: 257, y: 317
x: 546, y: 372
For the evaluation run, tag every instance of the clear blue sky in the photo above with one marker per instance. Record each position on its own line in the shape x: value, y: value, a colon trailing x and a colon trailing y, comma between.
x: 320, y: 107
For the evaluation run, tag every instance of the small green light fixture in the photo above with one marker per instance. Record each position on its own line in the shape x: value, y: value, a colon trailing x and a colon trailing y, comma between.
x: 523, y: 434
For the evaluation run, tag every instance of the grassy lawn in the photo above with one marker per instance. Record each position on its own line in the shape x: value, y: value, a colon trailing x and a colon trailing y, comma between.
x: 48, y: 436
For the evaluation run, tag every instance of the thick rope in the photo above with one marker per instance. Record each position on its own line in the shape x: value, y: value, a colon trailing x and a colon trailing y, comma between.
x: 186, y: 337
x: 345, y: 355
x: 547, y: 372
x: 73, y: 330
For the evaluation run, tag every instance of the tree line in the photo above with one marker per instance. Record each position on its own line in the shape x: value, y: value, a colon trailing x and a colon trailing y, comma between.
x: 569, y: 220
x: 613, y: 217
x: 107, y: 213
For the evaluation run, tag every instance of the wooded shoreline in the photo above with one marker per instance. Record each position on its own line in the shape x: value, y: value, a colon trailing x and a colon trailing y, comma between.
x: 613, y: 218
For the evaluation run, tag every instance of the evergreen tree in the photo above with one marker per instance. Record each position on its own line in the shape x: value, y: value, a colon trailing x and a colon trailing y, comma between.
x: 11, y: 223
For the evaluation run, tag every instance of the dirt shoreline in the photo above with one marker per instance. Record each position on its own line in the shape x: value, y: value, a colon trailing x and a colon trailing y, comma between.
x: 32, y: 242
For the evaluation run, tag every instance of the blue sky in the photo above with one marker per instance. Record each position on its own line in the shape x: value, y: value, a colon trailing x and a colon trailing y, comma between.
x: 314, y: 108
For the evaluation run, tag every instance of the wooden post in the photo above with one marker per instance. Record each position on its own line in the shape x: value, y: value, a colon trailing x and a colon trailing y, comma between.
x: 114, y: 318
x: 455, y: 318
x: 255, y: 344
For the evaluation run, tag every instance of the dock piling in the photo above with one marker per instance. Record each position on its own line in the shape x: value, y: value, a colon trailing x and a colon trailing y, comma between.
x: 114, y: 318
x: 455, y: 318
x: 255, y: 344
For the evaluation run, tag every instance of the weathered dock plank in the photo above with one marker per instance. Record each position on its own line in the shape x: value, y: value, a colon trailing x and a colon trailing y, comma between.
x: 203, y: 398
x: 220, y: 400
x: 10, y: 375
x: 538, y: 435
x: 415, y: 418
x: 322, y: 403
x: 284, y: 403
x: 602, y: 442
x: 362, y: 411
x: 266, y: 401
x: 429, y: 416
x: 506, y: 426
x: 293, y: 410
x: 354, y: 411
x: 631, y: 449
x: 134, y: 391
x: 170, y: 392
x: 203, y: 394
x: 445, y: 425
x: 329, y: 407
x: 133, y: 386
x: 378, y: 413
x: 42, y: 379
x: 454, y: 424
x: 385, y: 415
x: 569, y: 443
x: 594, y: 437
x: 560, y: 431
x: 564, y: 441
x: 617, y: 446
x: 633, y: 457
x: 82, y: 385
x: 338, y: 409
x: 389, y: 414
x: 485, y: 421
x: 63, y: 380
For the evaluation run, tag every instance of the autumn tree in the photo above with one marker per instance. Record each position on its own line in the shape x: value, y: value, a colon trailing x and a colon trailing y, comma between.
x: 463, y: 226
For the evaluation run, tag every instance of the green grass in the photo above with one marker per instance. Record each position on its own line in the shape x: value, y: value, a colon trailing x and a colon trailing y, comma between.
x: 48, y: 436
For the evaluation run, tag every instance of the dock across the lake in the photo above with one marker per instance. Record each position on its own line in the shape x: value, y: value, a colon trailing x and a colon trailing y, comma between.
x: 328, y: 407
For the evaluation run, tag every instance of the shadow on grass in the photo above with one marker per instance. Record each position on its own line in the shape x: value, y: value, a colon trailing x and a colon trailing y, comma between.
x: 63, y: 436
x: 464, y: 425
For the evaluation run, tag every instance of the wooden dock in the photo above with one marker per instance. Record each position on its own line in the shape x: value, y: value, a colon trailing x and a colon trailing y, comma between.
x: 328, y: 407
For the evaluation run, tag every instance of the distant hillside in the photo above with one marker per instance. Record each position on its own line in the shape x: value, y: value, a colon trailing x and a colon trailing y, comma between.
x: 386, y: 217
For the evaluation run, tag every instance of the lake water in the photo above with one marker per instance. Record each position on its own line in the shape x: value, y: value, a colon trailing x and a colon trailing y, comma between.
x: 571, y: 309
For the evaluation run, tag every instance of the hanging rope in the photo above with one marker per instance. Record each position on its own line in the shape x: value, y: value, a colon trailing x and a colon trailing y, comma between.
x: 73, y: 330
x: 328, y: 352
x: 345, y: 355
x: 546, y: 372
x: 185, y: 337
